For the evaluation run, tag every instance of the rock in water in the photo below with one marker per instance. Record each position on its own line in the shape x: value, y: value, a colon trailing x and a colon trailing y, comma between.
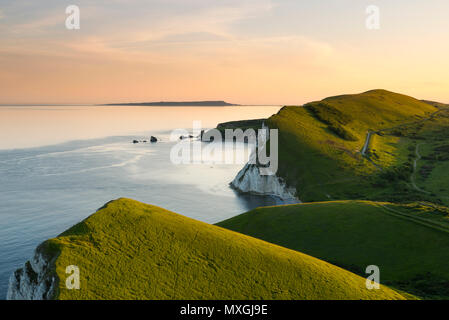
x: 153, y: 139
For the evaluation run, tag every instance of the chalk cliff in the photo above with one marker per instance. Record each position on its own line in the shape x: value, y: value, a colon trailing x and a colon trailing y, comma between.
x: 36, y: 280
x: 249, y: 180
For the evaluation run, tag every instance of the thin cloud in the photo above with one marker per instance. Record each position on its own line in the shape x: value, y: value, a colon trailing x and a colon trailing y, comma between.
x: 193, y: 37
x: 39, y: 25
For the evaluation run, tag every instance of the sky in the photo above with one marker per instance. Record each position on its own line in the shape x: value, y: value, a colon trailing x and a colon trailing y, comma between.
x: 242, y: 51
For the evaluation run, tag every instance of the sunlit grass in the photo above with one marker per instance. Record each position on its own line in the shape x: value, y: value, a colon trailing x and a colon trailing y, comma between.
x: 408, y: 243
x: 130, y: 250
x: 312, y: 157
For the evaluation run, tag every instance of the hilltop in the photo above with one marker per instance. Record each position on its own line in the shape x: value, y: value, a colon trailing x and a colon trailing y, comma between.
x: 348, y: 146
x: 378, y: 145
x: 130, y: 250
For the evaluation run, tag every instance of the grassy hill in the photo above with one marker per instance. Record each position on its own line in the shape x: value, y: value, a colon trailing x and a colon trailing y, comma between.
x: 320, y: 144
x: 130, y: 250
x: 429, y: 150
x: 409, y: 243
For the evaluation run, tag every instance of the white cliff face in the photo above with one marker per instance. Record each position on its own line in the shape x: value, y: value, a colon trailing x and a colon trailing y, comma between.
x: 34, y: 281
x: 249, y: 180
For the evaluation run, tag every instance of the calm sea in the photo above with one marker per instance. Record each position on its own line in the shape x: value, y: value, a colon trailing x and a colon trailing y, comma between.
x: 59, y: 164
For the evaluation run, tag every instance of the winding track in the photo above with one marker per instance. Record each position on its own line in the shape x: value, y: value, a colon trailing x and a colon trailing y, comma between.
x: 367, y: 141
x: 406, y: 216
x: 413, y: 175
x: 370, y: 133
x: 415, y: 165
x: 366, y: 148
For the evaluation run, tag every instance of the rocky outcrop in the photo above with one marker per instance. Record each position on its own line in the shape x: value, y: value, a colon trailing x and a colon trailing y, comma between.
x: 36, y: 280
x: 249, y: 180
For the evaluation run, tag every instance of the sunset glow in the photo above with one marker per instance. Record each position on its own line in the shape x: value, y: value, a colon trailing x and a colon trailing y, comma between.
x: 248, y: 52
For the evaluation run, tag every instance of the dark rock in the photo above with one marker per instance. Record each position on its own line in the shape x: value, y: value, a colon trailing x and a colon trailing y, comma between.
x: 135, y: 141
x: 153, y: 139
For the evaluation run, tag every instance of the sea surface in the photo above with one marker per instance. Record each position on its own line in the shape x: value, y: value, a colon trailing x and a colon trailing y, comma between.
x: 59, y: 164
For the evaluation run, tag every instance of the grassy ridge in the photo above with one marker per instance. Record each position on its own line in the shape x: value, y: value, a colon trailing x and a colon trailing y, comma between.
x: 430, y: 148
x: 408, y: 243
x: 320, y: 143
x: 130, y: 250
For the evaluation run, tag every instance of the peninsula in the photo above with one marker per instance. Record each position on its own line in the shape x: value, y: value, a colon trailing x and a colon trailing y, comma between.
x: 176, y: 104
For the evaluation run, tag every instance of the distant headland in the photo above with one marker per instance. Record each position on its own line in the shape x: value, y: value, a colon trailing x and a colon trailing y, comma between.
x: 176, y: 104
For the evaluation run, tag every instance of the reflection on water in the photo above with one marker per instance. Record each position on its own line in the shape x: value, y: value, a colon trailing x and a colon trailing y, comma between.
x: 47, y: 189
x: 26, y: 127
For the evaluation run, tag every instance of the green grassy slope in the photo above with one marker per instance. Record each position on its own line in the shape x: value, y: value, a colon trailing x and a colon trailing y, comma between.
x: 428, y: 145
x: 408, y: 243
x: 320, y: 143
x: 241, y: 124
x: 130, y: 250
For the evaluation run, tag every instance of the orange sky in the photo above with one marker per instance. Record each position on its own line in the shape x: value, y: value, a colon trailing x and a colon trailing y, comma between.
x: 248, y: 52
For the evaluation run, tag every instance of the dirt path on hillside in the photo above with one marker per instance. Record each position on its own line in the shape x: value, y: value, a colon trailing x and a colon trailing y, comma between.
x: 367, y: 141
x: 413, y: 175
x: 415, y: 166
x: 412, y: 218
x: 365, y: 148
x: 431, y: 116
